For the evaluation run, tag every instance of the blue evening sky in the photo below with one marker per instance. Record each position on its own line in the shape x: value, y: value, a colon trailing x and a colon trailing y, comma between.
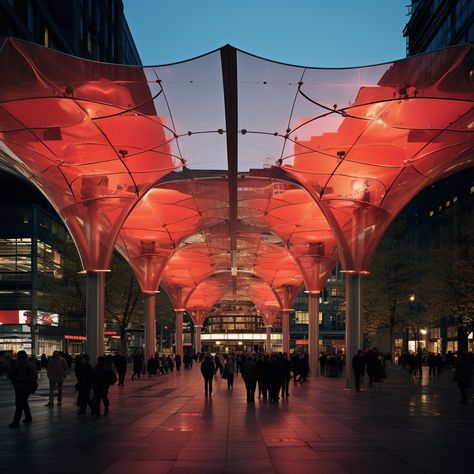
x: 326, y: 33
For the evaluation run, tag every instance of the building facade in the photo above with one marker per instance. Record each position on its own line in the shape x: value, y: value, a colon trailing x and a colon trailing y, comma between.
x: 91, y: 29
x: 332, y: 316
x: 32, y: 237
x: 236, y: 326
x: 436, y: 24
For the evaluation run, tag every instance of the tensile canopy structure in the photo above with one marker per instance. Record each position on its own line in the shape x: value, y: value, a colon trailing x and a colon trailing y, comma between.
x: 230, y: 176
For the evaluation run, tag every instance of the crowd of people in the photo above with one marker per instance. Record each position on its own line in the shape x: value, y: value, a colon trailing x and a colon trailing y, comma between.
x: 266, y: 376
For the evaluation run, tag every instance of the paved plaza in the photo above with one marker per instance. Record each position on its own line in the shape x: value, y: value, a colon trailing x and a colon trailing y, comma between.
x: 165, y: 424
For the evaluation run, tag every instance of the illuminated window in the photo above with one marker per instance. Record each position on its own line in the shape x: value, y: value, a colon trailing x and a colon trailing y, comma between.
x: 431, y: 213
x: 448, y: 203
x: 472, y: 189
x: 455, y: 199
x: 301, y: 317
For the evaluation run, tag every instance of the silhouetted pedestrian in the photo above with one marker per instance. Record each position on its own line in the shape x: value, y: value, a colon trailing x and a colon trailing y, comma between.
x: 286, y: 370
x: 229, y: 370
x: 463, y: 369
x: 57, y: 373
x: 137, y: 366
x: 120, y: 362
x: 24, y: 377
x: 83, y: 372
x: 249, y: 374
x: 358, y: 366
x: 322, y: 362
x: 208, y: 370
x: 102, y: 378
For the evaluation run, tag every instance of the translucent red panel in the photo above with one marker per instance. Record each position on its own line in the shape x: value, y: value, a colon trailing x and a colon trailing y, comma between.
x: 326, y: 158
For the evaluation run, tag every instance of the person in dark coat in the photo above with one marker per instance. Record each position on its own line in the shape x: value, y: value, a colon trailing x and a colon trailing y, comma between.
x: 83, y: 372
x: 371, y: 362
x: 170, y: 363
x: 463, y: 369
x: 137, y: 366
x: 286, y: 369
x: 151, y: 366
x: 218, y: 365
x: 276, y: 377
x: 102, y: 378
x: 266, y: 382
x: 304, y: 367
x: 322, y: 362
x: 120, y: 362
x: 249, y: 374
x: 419, y: 362
x: 208, y: 370
x: 24, y: 377
x: 358, y: 366
x: 177, y: 361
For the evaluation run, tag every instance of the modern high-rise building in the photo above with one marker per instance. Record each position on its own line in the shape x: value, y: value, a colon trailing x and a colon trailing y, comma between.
x: 91, y: 29
x: 436, y: 24
x: 32, y: 236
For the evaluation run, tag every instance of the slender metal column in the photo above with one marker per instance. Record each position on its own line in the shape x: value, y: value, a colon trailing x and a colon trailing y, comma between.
x: 268, y: 347
x: 150, y: 325
x: 34, y: 285
x: 197, y: 338
x: 313, y: 333
x: 95, y: 286
x: 285, y: 330
x: 353, y: 323
x: 179, y: 332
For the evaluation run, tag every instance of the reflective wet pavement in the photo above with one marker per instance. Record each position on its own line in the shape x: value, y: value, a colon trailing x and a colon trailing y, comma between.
x: 165, y: 424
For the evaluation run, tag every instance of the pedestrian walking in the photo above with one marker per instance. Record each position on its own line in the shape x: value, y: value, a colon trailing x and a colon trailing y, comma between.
x: 177, y: 361
x: 83, y: 372
x: 463, y: 370
x: 137, y: 366
x: 286, y: 370
x: 229, y: 371
x: 57, y: 373
x: 102, y: 378
x: 208, y: 370
x: 249, y: 374
x: 358, y: 366
x: 24, y: 377
x: 120, y: 362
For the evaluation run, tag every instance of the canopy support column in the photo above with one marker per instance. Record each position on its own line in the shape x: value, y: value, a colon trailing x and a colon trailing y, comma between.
x: 353, y: 323
x: 197, y: 338
x: 313, y: 333
x: 95, y: 290
x: 285, y: 330
x: 150, y: 325
x: 268, y: 347
x: 179, y: 332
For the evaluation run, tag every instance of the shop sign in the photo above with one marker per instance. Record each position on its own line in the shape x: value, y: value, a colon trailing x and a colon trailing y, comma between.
x: 70, y: 337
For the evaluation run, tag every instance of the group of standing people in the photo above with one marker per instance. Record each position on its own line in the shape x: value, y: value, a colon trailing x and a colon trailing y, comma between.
x: 157, y: 364
x: 371, y: 362
x: 267, y: 375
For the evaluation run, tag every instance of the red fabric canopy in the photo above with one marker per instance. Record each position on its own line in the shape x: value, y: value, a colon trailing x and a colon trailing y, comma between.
x: 230, y: 180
